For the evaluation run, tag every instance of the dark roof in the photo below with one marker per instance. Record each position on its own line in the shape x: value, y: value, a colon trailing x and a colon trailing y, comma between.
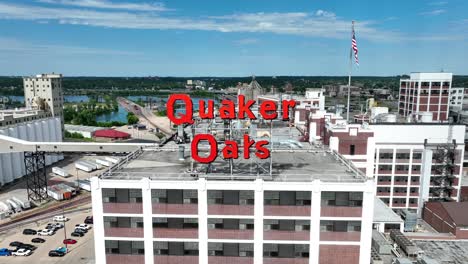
x: 111, y: 133
x: 457, y: 211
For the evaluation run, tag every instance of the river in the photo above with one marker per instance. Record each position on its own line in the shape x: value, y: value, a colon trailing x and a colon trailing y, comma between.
x: 121, y: 114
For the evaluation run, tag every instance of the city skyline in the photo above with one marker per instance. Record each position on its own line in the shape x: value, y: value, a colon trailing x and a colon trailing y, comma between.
x: 141, y: 38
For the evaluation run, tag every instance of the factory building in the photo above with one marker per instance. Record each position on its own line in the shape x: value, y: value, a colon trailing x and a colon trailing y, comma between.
x: 40, y: 121
x: 304, y: 204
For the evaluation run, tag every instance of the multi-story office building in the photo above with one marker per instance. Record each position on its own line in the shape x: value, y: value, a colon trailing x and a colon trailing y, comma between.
x: 411, y: 162
x: 314, y: 207
x: 425, y: 92
x: 44, y: 91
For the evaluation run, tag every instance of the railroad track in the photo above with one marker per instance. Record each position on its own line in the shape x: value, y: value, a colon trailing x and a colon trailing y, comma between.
x: 45, y: 213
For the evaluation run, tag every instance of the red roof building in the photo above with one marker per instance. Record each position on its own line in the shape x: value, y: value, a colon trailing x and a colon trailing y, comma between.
x: 111, y: 133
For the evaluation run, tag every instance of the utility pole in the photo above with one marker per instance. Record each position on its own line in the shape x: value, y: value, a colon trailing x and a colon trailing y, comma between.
x: 64, y: 226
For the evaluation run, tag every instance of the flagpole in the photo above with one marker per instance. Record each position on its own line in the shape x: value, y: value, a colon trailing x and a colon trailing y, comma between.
x: 350, y: 71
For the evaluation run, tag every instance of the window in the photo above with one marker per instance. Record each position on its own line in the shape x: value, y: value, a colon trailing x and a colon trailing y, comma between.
x: 351, y: 149
x: 350, y: 199
x: 174, y: 196
x: 287, y: 198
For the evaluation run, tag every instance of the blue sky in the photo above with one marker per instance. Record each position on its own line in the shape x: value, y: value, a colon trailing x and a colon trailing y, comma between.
x: 231, y: 38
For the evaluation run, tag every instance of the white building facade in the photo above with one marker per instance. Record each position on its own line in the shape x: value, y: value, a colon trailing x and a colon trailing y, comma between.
x: 203, y: 220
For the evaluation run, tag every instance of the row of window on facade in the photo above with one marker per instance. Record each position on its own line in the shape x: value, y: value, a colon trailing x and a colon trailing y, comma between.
x: 233, y: 224
x: 232, y: 197
x: 399, y: 155
x: 162, y: 248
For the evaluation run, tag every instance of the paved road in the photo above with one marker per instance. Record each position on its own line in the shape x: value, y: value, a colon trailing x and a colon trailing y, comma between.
x: 161, y: 122
x: 80, y: 253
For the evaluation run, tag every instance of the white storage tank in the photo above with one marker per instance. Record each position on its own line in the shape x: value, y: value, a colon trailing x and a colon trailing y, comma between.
x: 60, y: 172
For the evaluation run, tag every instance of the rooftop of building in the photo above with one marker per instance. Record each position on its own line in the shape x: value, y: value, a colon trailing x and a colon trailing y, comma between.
x: 83, y: 128
x: 457, y: 211
x: 384, y: 214
x: 295, y: 165
x: 19, y: 112
x: 453, y: 252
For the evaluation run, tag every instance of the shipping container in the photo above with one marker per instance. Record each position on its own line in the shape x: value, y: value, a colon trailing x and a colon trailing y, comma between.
x: 92, y: 164
x: 84, y: 167
x: 113, y: 159
x: 60, y: 172
x: 25, y: 204
x: 55, y: 193
x: 104, y: 162
x: 85, y: 185
x: 14, y: 206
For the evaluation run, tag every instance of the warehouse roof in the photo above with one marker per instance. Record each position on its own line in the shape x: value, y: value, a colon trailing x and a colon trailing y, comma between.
x: 456, y: 211
x: 82, y: 128
x: 111, y: 133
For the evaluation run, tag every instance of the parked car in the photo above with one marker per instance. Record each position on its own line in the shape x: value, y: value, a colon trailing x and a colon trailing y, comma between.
x: 45, y: 232
x: 37, y: 240
x: 60, y: 218
x: 29, y: 232
x: 82, y: 230
x: 28, y: 246
x: 64, y: 250
x: 77, y: 234
x: 55, y: 253
x: 5, y: 252
x: 69, y: 241
x: 89, y: 220
x: 16, y: 244
x: 83, y: 226
x: 22, y: 252
x: 50, y: 227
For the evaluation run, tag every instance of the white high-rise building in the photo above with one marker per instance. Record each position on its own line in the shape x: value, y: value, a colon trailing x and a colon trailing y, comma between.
x: 44, y: 91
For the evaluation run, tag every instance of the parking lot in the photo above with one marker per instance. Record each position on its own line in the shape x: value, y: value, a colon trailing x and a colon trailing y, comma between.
x: 80, y: 253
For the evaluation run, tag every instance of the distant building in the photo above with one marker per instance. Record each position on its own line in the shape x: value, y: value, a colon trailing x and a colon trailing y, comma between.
x: 331, y: 90
x: 343, y: 90
x: 457, y: 99
x: 426, y: 92
x: 44, y: 92
x: 85, y: 131
x: 250, y: 91
x: 110, y: 135
x: 288, y: 88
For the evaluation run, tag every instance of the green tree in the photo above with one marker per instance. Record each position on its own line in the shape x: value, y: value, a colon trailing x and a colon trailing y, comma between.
x: 132, y: 118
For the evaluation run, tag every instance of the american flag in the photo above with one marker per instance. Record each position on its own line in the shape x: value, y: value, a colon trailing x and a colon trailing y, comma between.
x: 354, y: 47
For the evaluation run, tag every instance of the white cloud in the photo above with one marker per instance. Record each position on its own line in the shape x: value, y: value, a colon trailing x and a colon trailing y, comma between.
x: 108, y: 4
x: 433, y: 12
x: 246, y: 41
x: 320, y: 24
x: 15, y: 45
x: 321, y: 13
